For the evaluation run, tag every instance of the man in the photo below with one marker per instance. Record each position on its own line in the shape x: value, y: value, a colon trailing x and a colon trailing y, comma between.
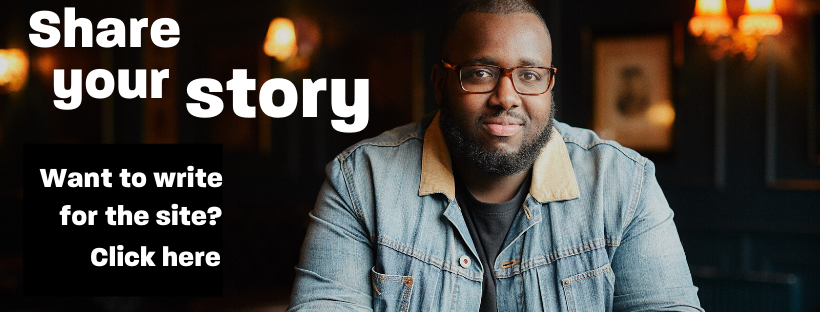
x: 490, y: 205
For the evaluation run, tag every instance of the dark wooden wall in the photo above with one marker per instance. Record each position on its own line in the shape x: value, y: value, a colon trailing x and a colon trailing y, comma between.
x: 743, y: 176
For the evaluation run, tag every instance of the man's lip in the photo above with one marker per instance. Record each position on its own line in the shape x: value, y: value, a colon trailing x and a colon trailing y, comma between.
x: 502, y: 120
x: 502, y: 126
x: 502, y: 130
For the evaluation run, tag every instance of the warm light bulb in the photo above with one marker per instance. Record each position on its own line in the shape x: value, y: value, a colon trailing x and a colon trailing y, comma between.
x: 284, y: 35
x: 710, y: 26
x: 4, y: 66
x: 280, y: 41
x: 760, y: 19
x: 13, y: 70
x: 760, y: 24
x: 661, y: 114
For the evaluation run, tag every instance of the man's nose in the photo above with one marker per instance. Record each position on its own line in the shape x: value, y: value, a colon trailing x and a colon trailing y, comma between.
x: 505, y: 95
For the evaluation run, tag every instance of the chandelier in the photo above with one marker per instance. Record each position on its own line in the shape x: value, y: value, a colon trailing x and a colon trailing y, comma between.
x: 713, y: 26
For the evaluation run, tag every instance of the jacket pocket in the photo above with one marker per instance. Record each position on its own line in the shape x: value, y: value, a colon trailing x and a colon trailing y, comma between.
x: 391, y: 292
x: 590, y: 291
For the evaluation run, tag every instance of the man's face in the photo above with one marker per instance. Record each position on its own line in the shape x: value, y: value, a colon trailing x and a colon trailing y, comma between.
x: 500, y: 132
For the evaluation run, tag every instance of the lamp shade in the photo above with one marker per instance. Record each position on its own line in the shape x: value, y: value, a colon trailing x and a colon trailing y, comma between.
x: 710, y: 19
x: 760, y: 18
x: 280, y: 41
x: 760, y: 7
x: 710, y: 8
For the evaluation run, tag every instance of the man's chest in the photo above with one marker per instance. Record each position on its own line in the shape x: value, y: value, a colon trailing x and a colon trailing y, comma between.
x: 552, y: 260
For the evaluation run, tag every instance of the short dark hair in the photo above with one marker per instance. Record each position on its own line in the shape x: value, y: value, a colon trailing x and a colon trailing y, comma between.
x: 485, y: 6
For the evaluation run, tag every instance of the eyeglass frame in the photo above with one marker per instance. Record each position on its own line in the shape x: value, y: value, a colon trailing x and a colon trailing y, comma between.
x: 504, y: 72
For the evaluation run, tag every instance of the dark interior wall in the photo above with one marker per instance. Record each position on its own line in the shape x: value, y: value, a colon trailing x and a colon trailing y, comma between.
x: 740, y: 176
x: 743, y: 175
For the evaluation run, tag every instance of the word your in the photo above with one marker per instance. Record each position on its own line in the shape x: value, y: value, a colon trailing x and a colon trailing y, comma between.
x: 240, y: 85
x: 74, y: 93
x: 115, y: 256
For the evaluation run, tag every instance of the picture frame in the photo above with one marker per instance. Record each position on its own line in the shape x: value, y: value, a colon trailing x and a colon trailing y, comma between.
x: 793, y: 161
x: 632, y: 78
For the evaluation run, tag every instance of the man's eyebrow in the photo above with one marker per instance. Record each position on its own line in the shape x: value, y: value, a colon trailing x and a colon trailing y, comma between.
x: 492, y: 61
x: 528, y: 62
x: 482, y: 60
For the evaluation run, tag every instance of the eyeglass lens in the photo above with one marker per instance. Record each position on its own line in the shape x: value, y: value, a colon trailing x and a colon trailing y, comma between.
x: 484, y: 79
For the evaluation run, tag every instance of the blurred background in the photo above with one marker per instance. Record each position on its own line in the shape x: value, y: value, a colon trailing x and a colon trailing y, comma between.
x: 723, y: 98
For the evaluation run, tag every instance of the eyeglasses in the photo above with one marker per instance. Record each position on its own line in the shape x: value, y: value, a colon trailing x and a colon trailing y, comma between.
x: 480, y: 78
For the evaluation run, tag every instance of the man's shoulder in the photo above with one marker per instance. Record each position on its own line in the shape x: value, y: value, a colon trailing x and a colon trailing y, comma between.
x: 393, y: 138
x: 582, y: 143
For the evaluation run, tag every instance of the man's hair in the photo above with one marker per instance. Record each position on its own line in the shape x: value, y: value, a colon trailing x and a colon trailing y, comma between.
x: 484, y: 6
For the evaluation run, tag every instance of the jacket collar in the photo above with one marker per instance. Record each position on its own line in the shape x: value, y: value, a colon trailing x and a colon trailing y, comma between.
x: 553, y: 178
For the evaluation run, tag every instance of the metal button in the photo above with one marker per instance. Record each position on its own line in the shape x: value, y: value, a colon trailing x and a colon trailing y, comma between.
x: 464, y: 261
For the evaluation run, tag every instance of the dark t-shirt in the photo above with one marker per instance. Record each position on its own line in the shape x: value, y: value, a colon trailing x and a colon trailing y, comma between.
x: 488, y: 224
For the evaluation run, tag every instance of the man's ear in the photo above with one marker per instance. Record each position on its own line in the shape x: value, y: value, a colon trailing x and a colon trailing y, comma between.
x: 437, y: 76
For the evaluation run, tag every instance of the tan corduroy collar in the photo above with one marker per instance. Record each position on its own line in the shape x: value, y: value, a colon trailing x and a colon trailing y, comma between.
x: 553, y: 178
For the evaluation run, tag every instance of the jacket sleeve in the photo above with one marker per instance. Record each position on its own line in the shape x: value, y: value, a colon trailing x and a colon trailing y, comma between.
x: 651, y: 273
x: 333, y: 270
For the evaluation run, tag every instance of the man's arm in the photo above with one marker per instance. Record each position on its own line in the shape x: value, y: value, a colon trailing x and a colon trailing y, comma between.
x: 333, y: 270
x: 651, y: 273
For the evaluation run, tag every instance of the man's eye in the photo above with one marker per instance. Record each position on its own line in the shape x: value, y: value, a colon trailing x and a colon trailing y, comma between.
x: 480, y: 73
x: 529, y: 76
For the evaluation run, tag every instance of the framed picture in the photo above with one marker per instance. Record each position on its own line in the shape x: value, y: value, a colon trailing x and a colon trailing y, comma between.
x: 632, y: 92
x: 791, y: 165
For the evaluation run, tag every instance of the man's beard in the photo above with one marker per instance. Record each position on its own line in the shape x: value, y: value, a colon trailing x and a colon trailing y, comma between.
x: 464, y: 143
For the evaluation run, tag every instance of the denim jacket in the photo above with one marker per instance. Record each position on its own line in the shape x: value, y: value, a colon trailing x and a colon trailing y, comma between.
x: 595, y: 233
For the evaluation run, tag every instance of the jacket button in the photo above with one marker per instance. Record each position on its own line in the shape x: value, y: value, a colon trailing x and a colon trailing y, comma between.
x: 464, y: 261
